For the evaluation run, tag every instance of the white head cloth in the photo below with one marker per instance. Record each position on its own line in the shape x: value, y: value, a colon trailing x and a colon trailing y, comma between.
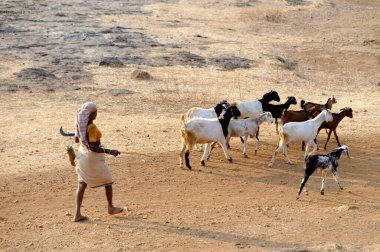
x: 82, y: 121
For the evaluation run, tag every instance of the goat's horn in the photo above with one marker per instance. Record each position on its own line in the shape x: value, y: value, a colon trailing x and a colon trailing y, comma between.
x: 66, y: 134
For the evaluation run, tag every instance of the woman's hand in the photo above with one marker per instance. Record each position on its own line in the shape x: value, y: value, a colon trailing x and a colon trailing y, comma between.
x: 115, y: 153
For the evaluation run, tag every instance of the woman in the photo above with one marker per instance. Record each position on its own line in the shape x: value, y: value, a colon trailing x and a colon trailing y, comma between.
x: 91, y: 167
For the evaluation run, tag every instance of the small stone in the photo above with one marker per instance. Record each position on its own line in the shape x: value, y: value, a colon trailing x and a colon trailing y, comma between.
x: 96, y: 219
x: 68, y: 214
x: 145, y: 217
x: 141, y: 75
x: 16, y: 201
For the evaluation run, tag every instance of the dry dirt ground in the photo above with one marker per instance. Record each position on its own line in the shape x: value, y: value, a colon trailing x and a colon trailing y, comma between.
x: 197, y: 53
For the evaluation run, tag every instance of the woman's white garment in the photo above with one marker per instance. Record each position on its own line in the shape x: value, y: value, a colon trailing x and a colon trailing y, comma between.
x: 92, y: 168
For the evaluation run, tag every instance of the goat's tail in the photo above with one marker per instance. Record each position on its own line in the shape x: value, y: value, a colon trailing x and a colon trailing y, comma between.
x: 308, y: 155
x: 182, y: 120
x: 302, y: 103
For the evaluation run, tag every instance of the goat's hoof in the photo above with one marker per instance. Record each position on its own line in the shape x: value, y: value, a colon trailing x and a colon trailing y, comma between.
x: 255, y: 152
x: 290, y: 163
x: 270, y: 164
x: 341, y: 188
x: 188, y: 167
x: 245, y: 156
x: 230, y: 160
x: 297, y: 197
x: 322, y: 192
x: 203, y: 163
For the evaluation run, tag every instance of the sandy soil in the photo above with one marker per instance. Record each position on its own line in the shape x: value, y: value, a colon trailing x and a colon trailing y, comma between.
x: 198, y: 53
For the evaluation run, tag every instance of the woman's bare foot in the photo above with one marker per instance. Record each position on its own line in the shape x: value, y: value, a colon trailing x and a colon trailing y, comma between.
x: 115, y: 210
x: 79, y: 217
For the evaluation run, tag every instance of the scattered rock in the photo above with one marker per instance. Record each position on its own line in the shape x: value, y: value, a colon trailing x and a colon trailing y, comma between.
x: 141, y: 75
x: 111, y: 62
x: 35, y: 73
x: 297, y: 2
x: 378, y: 83
x: 120, y: 92
x: 344, y: 208
x: 230, y: 63
x: 188, y: 58
x: 68, y: 214
x: 287, y: 64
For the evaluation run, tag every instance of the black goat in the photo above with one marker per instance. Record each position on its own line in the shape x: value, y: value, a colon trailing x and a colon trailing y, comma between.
x: 324, y: 162
x: 277, y: 109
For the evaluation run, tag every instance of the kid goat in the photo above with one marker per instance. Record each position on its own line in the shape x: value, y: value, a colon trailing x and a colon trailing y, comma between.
x: 300, y: 131
x: 244, y: 128
x: 324, y: 162
x: 203, y: 131
x: 335, y: 122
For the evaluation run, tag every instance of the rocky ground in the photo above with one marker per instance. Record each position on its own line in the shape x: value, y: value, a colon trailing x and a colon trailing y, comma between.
x: 146, y: 62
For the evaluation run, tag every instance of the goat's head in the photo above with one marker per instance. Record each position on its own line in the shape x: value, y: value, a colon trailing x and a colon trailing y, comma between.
x: 345, y: 150
x: 224, y: 104
x: 347, y: 112
x: 268, y: 118
x: 220, y: 107
x: 332, y: 99
x: 292, y: 100
x: 231, y: 111
x: 271, y: 96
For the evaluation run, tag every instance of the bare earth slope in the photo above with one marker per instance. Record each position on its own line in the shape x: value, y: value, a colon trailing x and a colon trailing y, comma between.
x: 198, y: 53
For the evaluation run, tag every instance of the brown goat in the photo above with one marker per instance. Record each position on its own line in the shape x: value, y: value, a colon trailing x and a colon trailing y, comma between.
x: 334, y: 124
x: 298, y: 116
x: 310, y: 105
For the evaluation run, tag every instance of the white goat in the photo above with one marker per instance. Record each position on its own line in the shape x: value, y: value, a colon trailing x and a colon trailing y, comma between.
x: 246, y: 127
x: 203, y: 131
x: 254, y: 108
x: 301, y: 131
x: 206, y: 113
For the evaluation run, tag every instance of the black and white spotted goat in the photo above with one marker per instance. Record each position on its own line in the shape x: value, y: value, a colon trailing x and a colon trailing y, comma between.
x: 324, y: 162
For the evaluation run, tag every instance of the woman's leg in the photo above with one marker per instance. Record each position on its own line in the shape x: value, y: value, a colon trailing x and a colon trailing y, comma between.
x: 111, y: 208
x: 79, y: 198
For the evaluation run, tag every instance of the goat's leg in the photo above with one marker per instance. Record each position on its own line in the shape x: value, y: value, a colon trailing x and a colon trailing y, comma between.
x: 303, y: 182
x: 328, y: 138
x: 280, y: 147
x: 226, y: 150
x: 182, y: 154
x: 336, y: 177
x: 315, y: 146
x: 187, y: 160
x: 212, y: 147
x: 206, y: 153
x: 245, y: 146
x: 323, y: 182
x: 307, y: 150
x: 275, y: 121
x: 285, y: 151
x: 256, y: 145
x: 336, y: 137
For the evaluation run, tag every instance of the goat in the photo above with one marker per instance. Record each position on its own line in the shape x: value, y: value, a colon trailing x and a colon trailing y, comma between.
x: 254, y: 108
x: 334, y: 124
x: 277, y: 109
x: 207, y: 113
x: 205, y: 130
x: 244, y: 128
x: 304, y: 131
x: 324, y: 162
x: 297, y: 116
x: 309, y: 105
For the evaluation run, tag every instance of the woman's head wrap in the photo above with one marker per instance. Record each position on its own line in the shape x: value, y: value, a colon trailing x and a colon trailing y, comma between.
x: 82, y: 121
